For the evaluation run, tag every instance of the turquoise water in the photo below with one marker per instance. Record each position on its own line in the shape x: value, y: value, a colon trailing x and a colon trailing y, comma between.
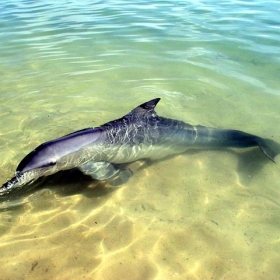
x: 67, y: 65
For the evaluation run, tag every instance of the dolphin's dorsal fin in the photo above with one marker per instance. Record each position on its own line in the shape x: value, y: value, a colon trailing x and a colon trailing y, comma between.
x: 146, y: 108
x: 143, y: 111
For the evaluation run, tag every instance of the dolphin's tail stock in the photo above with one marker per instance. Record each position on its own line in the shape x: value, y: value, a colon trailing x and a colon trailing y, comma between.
x: 239, y: 139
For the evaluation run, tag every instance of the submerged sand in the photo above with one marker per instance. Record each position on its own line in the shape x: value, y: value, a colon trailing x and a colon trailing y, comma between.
x: 180, y: 218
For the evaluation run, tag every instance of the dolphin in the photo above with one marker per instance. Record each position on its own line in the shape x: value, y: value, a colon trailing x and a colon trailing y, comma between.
x: 141, y: 134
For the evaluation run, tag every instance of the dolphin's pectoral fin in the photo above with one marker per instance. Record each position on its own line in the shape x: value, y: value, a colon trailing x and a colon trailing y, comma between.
x: 100, y: 170
x: 103, y: 170
x: 122, y: 177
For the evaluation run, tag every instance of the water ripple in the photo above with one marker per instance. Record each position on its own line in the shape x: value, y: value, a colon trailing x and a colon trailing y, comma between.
x: 70, y: 64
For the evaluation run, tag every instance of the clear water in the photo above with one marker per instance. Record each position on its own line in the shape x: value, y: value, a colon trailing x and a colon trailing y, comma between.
x: 67, y: 65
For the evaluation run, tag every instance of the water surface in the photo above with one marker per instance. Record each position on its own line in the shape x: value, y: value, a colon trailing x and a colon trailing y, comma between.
x: 67, y: 65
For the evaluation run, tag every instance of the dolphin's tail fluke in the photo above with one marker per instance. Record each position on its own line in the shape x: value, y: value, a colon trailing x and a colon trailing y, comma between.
x: 269, y: 147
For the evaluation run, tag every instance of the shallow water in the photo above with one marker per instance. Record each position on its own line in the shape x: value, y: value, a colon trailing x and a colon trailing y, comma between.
x: 67, y: 65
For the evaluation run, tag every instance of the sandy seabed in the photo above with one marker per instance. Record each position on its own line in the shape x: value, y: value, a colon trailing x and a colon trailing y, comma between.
x: 189, y: 217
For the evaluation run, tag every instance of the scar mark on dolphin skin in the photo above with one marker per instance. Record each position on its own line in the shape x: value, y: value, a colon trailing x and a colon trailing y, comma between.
x: 195, y: 132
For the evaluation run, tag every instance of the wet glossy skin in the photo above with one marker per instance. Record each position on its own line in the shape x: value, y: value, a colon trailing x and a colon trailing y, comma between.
x: 141, y: 134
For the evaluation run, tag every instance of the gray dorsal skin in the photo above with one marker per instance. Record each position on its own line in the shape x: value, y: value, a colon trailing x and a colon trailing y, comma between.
x: 141, y: 134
